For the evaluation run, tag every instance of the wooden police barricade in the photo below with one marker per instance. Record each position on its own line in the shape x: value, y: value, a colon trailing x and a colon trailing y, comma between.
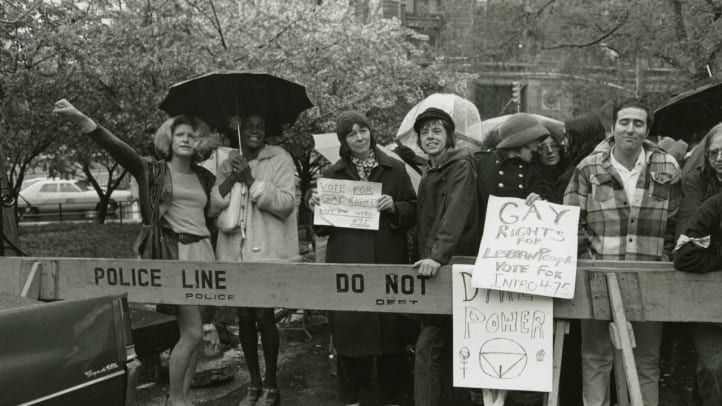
x: 605, y: 290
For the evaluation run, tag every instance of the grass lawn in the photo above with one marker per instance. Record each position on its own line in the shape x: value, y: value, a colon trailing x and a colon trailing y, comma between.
x: 89, y: 240
x: 79, y: 240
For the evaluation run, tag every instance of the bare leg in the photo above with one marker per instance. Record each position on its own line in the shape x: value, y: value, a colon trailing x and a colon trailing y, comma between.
x: 195, y: 357
x: 191, y: 335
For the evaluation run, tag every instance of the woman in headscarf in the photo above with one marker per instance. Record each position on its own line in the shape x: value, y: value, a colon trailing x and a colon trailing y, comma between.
x: 368, y: 343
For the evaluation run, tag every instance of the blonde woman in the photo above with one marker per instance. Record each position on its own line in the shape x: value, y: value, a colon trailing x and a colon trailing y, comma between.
x: 174, y: 196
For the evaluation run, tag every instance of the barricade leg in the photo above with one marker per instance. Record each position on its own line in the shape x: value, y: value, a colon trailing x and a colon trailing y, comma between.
x: 623, y: 339
x: 561, y: 328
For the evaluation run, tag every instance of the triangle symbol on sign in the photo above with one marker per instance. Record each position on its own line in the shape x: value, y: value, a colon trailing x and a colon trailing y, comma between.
x: 503, y: 365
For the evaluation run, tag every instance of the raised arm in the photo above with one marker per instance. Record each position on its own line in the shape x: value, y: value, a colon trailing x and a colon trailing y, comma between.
x: 117, y: 148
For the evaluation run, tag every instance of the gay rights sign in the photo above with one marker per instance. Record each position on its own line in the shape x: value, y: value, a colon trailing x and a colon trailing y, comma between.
x: 347, y: 203
x: 528, y: 248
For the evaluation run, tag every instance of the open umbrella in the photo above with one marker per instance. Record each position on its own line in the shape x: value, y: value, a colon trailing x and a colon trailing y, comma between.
x: 464, y: 113
x: 691, y: 113
x: 217, y: 96
x: 327, y: 144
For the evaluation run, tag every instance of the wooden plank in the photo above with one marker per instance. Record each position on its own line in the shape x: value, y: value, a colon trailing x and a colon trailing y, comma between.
x: 620, y: 382
x: 12, y: 275
x: 624, y: 340
x: 31, y: 287
x: 561, y: 329
x: 657, y: 292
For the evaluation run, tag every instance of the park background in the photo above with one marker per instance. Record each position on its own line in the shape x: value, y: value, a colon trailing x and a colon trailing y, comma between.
x: 116, y: 60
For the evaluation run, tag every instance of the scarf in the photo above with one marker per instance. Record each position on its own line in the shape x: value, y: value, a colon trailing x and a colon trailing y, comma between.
x: 365, y: 166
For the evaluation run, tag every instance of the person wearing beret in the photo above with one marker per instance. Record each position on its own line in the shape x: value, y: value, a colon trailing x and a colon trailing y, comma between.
x: 510, y: 170
x: 448, y: 225
x: 370, y: 344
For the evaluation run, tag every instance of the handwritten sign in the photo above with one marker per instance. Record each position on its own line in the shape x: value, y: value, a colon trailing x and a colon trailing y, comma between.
x: 502, y: 340
x: 528, y: 249
x: 347, y: 203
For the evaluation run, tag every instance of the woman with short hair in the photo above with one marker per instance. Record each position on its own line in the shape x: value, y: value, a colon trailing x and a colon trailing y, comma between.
x: 369, y: 343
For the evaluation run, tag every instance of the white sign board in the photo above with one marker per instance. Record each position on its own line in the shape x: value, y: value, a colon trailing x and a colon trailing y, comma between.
x: 347, y: 203
x: 502, y: 340
x: 528, y: 249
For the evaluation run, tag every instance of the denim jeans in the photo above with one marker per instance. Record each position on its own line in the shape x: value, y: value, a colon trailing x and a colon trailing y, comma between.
x: 598, y: 358
x: 708, y: 343
x: 432, y: 368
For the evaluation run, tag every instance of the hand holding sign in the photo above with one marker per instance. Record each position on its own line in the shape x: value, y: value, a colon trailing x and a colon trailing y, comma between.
x: 349, y: 204
x: 386, y: 203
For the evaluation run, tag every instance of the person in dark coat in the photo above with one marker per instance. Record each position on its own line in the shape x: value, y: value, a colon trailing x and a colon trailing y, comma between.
x: 704, y: 181
x: 448, y: 225
x: 365, y: 340
x: 698, y: 250
x: 510, y: 170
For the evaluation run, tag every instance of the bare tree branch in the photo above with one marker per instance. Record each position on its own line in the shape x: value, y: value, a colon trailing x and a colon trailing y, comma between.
x: 218, y: 25
x: 23, y: 15
x: 716, y: 10
x: 547, y: 4
x: 590, y: 43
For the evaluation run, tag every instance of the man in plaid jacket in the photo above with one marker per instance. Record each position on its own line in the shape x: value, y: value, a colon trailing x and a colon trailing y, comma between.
x: 629, y: 192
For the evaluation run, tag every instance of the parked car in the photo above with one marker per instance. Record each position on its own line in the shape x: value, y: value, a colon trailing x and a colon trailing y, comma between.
x: 49, y: 195
x: 72, y: 352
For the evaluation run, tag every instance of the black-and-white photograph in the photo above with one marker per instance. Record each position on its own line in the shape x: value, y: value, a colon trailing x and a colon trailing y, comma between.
x: 361, y: 202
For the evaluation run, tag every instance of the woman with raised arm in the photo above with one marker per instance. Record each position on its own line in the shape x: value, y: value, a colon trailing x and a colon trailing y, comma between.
x: 174, y: 196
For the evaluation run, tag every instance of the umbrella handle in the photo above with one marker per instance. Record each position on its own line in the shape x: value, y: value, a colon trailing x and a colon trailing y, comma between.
x: 238, y: 131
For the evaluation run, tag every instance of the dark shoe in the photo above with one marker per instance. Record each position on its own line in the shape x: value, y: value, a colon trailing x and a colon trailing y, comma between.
x: 254, y: 393
x: 271, y: 397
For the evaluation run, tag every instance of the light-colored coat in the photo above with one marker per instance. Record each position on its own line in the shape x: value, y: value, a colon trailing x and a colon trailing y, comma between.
x: 270, y: 211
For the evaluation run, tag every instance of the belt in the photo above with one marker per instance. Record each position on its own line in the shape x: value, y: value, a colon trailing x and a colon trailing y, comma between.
x: 183, y: 238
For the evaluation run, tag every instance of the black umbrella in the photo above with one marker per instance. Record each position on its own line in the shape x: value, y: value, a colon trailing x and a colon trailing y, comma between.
x: 690, y: 114
x: 217, y: 96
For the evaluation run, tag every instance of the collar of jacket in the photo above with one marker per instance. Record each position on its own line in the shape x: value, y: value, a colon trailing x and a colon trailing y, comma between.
x: 452, y: 155
x: 605, y: 148
x: 501, y: 157
x: 269, y: 151
x: 344, y: 166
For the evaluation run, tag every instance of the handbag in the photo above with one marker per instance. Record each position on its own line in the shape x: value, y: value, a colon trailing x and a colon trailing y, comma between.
x: 155, y: 242
x: 230, y: 217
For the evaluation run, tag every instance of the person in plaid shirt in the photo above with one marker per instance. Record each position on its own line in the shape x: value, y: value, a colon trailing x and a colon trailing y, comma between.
x: 629, y: 191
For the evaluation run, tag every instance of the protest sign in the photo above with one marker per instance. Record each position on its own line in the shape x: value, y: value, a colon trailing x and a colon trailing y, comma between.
x: 528, y: 248
x: 502, y: 340
x: 347, y: 203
